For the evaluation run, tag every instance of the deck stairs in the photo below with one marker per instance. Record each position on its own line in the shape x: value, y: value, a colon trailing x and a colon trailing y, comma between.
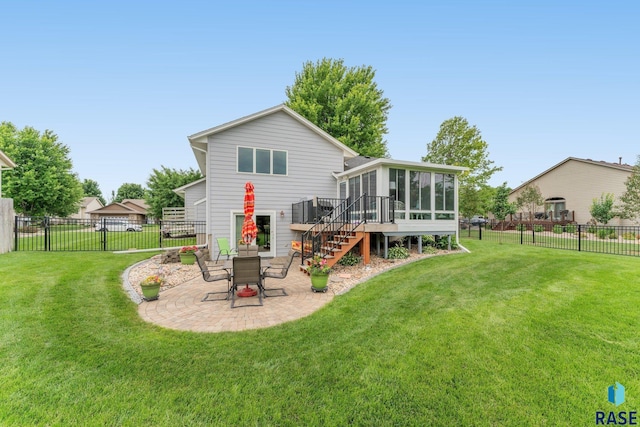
x: 333, y: 236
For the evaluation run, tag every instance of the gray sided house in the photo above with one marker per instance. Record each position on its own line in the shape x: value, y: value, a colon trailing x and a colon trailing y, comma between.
x: 305, y: 179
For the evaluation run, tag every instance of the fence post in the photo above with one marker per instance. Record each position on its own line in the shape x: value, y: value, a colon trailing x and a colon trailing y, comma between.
x: 579, y: 238
x: 522, y: 233
x: 47, y: 236
x: 15, y: 233
x: 479, y: 230
x: 533, y: 234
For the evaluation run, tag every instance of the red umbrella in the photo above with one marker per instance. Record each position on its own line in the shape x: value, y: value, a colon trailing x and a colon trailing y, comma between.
x: 249, y: 229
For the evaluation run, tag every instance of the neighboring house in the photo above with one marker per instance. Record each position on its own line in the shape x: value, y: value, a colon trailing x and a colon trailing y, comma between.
x: 297, y: 170
x: 572, y: 184
x: 130, y: 209
x: 87, y: 204
x: 5, y: 164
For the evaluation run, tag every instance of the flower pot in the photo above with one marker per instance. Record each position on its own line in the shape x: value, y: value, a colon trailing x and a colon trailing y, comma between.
x: 150, y: 291
x: 319, y: 282
x: 187, y: 259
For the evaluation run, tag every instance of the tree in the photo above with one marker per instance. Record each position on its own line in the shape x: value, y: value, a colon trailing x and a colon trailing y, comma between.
x: 344, y: 102
x: 501, y: 205
x: 92, y: 189
x: 602, y: 210
x: 129, y: 191
x: 630, y: 200
x: 161, y: 184
x: 458, y: 144
x: 42, y: 183
x: 530, y: 198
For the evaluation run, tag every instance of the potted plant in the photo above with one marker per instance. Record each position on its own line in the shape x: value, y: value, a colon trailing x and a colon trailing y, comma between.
x: 188, y: 254
x: 151, y: 287
x: 319, y: 271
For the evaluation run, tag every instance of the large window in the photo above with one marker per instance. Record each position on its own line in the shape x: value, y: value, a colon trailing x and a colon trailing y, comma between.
x: 420, y: 191
x: 262, y: 161
x: 445, y: 193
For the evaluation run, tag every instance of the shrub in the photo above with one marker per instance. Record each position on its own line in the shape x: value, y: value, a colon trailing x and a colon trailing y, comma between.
x: 538, y: 228
x: 557, y: 229
x: 349, y: 259
x: 629, y: 236
x: 429, y: 250
x: 592, y: 229
x: 607, y: 233
x: 521, y: 227
x: 398, y: 252
x: 570, y: 228
x: 428, y: 240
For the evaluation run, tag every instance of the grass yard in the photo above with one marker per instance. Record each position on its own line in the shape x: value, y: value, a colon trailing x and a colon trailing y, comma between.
x: 506, y: 335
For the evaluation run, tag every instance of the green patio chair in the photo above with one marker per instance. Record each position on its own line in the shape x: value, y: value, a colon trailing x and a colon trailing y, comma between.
x: 224, y: 248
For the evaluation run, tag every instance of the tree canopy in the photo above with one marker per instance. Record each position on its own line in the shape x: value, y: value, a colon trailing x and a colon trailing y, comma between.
x: 459, y: 144
x: 42, y: 183
x: 630, y: 200
x: 501, y: 205
x: 129, y: 191
x: 161, y: 184
x: 92, y: 189
x: 344, y: 102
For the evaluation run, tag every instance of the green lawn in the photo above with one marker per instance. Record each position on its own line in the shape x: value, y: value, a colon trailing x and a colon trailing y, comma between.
x: 506, y: 335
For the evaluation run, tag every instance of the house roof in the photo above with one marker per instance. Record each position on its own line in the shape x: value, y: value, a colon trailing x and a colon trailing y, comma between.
x: 86, y: 201
x: 620, y: 166
x: 401, y: 163
x: 198, y: 140
x: 120, y: 208
x: 6, y: 162
x: 139, y: 203
x: 181, y: 190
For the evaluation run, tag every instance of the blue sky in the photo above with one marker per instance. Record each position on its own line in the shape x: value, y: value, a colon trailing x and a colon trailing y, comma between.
x: 124, y: 83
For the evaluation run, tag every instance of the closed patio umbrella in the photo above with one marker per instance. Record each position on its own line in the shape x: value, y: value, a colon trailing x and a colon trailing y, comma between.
x: 249, y: 229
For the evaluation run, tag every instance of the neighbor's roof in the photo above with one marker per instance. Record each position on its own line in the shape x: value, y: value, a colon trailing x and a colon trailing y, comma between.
x: 197, y: 140
x: 620, y: 166
x: 5, y: 161
x: 87, y: 200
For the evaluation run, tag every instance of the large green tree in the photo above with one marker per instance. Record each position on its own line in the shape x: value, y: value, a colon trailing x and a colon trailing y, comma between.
x: 459, y: 144
x: 42, y: 183
x: 630, y: 200
x: 92, y: 189
x: 161, y: 184
x: 129, y: 191
x: 343, y: 101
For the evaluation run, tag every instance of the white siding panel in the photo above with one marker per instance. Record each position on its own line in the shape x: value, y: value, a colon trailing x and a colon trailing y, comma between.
x: 310, y: 161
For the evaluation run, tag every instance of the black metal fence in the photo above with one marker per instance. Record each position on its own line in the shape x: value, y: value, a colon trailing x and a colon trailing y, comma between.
x: 618, y: 240
x: 105, y: 234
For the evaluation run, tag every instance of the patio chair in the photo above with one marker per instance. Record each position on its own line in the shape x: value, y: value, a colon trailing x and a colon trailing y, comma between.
x: 248, y: 250
x: 246, y: 271
x: 279, y: 271
x: 213, y: 276
x: 224, y: 248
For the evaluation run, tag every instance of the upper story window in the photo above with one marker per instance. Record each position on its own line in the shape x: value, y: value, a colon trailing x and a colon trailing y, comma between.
x: 262, y: 161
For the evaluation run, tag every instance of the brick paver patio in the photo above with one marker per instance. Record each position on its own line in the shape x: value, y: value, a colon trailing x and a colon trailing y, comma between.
x: 181, y: 307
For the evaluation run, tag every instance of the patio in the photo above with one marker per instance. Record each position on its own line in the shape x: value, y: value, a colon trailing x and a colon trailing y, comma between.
x: 180, y: 307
